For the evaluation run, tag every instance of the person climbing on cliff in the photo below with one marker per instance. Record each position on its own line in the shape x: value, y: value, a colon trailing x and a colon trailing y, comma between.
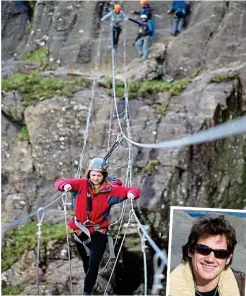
x: 146, y: 10
x: 95, y: 195
x: 142, y: 42
x: 179, y: 10
x: 117, y: 16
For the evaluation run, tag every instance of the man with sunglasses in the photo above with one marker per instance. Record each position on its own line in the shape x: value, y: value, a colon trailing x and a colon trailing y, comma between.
x: 205, y: 267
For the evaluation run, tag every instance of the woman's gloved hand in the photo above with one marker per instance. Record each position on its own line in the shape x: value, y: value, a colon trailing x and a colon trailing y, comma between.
x: 67, y: 187
x: 130, y: 195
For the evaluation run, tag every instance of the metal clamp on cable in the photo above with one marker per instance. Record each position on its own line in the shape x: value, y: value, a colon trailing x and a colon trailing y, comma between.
x: 39, y: 233
x: 158, y: 275
x: 119, y: 138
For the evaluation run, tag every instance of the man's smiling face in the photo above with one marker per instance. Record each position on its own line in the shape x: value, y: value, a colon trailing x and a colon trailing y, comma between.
x: 207, y: 268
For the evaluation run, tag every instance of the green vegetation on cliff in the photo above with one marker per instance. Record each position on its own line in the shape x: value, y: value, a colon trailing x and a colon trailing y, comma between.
x: 147, y: 87
x: 39, y: 56
x: 12, y: 290
x: 36, y: 87
x: 223, y: 77
x: 23, y: 135
x: 151, y: 166
x: 25, y: 238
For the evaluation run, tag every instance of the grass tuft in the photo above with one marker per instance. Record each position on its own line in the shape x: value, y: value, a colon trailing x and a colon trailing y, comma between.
x: 39, y: 56
x: 23, y: 134
x: 223, y: 77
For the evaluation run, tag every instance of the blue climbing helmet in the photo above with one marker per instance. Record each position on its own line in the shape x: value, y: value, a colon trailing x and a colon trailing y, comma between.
x: 98, y: 165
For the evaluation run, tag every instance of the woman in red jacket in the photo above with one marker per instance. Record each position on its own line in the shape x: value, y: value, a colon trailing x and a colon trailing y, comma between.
x: 94, y: 196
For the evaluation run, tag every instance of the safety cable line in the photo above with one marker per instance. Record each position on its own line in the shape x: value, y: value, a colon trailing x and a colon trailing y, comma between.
x: 118, y: 232
x: 128, y: 128
x: 65, y: 203
x: 127, y: 172
x: 156, y: 248
x: 150, y: 240
x: 224, y: 130
x: 158, y: 271
x: 88, y: 121
x: 121, y: 245
x: 117, y: 142
x: 40, y: 217
x: 113, y: 78
x: 110, y: 123
x: 143, y: 239
x: 26, y: 217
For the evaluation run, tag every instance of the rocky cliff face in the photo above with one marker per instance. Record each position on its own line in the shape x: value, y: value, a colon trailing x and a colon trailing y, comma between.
x: 42, y: 137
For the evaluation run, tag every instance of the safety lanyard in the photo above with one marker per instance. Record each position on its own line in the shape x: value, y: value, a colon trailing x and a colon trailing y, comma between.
x: 88, y: 206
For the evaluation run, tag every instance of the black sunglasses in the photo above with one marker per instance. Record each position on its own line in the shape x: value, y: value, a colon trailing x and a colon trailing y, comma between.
x: 205, y: 251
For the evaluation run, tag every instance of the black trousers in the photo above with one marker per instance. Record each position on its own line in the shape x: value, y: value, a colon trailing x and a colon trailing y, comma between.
x: 116, y: 34
x: 91, y: 263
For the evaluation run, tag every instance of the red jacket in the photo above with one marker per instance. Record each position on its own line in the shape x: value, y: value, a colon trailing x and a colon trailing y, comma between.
x: 101, y: 202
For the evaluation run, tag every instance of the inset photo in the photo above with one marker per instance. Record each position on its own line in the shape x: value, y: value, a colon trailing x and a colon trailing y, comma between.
x: 207, y: 252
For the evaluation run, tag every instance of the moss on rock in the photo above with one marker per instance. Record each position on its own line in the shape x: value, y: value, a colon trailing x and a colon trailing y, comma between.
x: 39, y: 56
x: 23, y: 135
x: 151, y: 87
x: 223, y: 77
x: 150, y: 167
x: 18, y: 241
x: 35, y: 87
x: 12, y: 290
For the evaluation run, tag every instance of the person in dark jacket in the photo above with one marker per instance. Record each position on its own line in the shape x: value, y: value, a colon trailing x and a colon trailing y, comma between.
x: 94, y: 196
x: 142, y: 42
x: 146, y: 10
x: 179, y: 10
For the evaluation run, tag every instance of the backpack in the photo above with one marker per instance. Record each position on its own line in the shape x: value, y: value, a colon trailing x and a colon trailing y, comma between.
x: 152, y: 27
x: 180, y: 12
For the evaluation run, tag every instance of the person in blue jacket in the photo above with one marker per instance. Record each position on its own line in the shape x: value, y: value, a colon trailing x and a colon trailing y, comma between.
x: 142, y: 42
x: 146, y: 10
x: 179, y: 10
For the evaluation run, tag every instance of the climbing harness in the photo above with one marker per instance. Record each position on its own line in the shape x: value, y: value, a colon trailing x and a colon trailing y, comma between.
x: 84, y: 227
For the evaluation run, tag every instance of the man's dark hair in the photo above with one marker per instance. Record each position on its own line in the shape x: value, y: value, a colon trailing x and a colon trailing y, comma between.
x: 210, y: 226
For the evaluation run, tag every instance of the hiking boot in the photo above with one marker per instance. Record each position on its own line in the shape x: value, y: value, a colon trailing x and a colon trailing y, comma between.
x: 97, y: 289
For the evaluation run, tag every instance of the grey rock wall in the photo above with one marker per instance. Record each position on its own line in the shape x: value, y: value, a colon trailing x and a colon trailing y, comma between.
x: 206, y: 175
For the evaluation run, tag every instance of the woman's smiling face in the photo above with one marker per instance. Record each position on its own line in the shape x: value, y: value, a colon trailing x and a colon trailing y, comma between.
x: 96, y: 177
x: 208, y: 268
